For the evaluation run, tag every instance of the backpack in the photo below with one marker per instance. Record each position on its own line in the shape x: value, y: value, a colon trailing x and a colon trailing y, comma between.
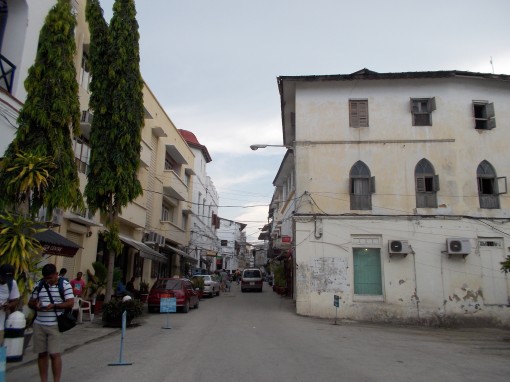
x: 9, y: 285
x: 40, y: 285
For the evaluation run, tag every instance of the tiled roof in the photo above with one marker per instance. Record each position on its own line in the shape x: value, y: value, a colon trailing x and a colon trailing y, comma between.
x: 192, y: 141
x: 366, y: 74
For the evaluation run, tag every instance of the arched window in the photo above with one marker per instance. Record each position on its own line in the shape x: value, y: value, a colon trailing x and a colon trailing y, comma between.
x: 362, y: 186
x: 427, y: 185
x: 487, y: 185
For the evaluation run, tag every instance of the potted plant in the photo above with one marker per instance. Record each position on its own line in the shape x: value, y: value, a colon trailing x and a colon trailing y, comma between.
x: 279, y: 283
x: 144, y: 291
x: 198, y: 285
x: 95, y: 287
x: 113, y: 310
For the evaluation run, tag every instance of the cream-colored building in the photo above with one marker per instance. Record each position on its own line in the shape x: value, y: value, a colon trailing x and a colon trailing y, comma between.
x: 394, y: 195
x: 155, y: 227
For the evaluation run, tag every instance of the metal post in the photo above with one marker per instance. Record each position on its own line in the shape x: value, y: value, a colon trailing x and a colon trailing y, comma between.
x: 121, y: 362
x: 3, y: 360
x: 167, y: 326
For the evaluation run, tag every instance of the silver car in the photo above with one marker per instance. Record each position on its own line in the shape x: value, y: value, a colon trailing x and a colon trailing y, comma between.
x: 211, y: 285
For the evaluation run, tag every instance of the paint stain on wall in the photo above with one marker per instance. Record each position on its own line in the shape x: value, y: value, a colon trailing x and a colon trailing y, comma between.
x: 329, y: 274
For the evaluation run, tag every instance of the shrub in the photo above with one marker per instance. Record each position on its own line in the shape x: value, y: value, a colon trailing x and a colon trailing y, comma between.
x: 113, y: 310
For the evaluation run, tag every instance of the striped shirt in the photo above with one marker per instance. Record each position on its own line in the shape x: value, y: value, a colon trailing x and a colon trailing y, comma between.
x: 49, y: 317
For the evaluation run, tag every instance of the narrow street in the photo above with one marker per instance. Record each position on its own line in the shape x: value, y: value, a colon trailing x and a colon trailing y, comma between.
x: 247, y: 337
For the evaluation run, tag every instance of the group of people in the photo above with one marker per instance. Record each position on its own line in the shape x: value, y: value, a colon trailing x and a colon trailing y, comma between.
x: 77, y: 284
x: 129, y: 289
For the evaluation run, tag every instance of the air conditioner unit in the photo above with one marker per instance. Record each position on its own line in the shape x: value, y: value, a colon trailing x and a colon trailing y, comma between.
x: 150, y: 237
x: 458, y: 246
x: 400, y: 247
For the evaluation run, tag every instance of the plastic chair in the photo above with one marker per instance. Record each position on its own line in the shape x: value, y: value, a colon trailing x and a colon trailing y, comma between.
x: 83, y: 306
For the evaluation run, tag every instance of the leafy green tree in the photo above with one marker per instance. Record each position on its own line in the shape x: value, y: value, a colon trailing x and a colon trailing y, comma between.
x: 50, y: 113
x: 19, y: 249
x: 505, y: 265
x: 117, y: 102
x: 28, y: 174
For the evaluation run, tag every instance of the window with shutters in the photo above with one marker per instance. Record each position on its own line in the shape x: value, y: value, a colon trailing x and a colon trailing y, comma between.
x: 421, y: 110
x: 489, y: 186
x: 485, y: 117
x: 358, y: 113
x: 361, y: 187
x: 427, y: 185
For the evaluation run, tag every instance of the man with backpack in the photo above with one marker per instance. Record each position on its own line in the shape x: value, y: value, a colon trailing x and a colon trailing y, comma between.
x: 51, y: 296
x: 9, y: 295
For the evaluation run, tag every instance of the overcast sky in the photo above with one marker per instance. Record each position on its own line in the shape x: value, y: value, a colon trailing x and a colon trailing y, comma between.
x: 213, y: 65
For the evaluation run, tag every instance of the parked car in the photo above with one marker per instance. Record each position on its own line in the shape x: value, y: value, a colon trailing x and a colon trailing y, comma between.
x: 251, y: 279
x: 211, y: 285
x: 180, y: 288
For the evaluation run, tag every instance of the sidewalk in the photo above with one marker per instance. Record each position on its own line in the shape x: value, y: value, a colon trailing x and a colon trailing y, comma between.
x: 81, y: 334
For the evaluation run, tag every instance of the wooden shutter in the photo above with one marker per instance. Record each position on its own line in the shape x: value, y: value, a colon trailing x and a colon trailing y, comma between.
x: 431, y: 105
x: 436, y: 183
x: 358, y: 113
x: 501, y: 185
x: 420, y: 184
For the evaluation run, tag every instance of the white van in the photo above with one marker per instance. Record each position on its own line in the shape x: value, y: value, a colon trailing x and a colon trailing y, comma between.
x: 251, y: 279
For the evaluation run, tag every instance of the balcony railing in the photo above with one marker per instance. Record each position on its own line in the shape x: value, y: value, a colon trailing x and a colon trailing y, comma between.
x: 7, y: 70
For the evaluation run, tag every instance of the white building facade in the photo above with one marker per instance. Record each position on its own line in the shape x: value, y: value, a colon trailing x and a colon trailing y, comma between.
x: 233, y: 244
x: 204, y: 244
x: 399, y: 202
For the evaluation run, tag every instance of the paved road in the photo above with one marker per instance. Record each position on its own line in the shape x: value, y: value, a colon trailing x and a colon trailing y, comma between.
x: 256, y: 337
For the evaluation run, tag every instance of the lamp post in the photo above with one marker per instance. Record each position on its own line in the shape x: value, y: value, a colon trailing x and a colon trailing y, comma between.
x: 263, y: 146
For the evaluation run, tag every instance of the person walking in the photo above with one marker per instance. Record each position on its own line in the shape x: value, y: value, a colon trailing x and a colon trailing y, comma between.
x: 46, y: 337
x: 9, y: 296
x: 223, y: 280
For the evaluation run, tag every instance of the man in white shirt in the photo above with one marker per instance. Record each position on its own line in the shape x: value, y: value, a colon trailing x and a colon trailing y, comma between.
x: 46, y: 338
x: 9, y: 295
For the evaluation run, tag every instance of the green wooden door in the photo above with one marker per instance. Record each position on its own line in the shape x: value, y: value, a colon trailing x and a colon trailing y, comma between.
x: 367, y: 271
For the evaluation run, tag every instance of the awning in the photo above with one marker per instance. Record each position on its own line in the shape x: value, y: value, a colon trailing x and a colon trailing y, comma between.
x: 183, y: 254
x: 52, y: 242
x: 56, y: 244
x: 145, y: 251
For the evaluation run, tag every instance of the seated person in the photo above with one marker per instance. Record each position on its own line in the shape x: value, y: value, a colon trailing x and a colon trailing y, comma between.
x: 130, y: 287
x: 120, y: 290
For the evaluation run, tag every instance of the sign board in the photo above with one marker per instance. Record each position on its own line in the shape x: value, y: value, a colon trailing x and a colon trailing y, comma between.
x: 168, y: 305
x: 336, y: 300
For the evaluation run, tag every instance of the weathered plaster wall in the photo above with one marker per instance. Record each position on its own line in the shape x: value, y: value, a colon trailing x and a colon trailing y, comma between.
x: 426, y: 286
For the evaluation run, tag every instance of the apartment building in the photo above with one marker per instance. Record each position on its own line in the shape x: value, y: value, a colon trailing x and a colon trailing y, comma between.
x: 204, y: 244
x: 233, y: 245
x: 394, y: 195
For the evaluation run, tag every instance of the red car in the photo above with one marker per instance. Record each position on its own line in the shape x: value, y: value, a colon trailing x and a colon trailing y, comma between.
x: 182, y: 289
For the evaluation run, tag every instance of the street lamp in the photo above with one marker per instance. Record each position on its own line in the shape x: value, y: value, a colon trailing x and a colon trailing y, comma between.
x: 263, y: 146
